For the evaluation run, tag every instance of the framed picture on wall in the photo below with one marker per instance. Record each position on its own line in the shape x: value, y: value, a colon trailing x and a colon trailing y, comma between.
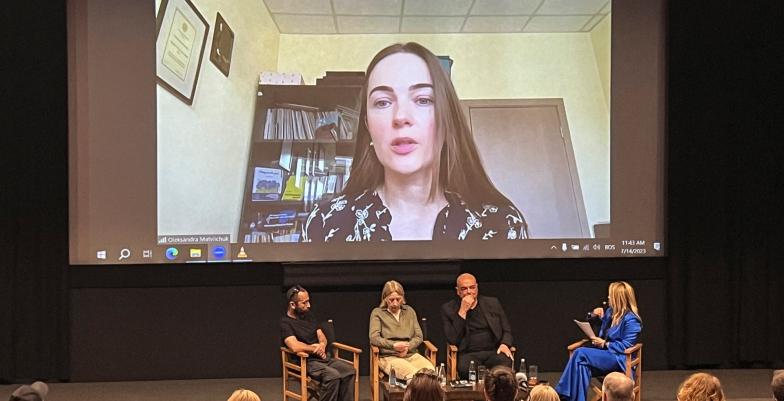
x: 180, y: 42
x: 222, y: 45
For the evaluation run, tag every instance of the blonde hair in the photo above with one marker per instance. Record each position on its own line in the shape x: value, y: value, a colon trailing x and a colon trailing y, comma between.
x: 622, y: 300
x: 390, y: 287
x: 543, y: 393
x: 244, y: 395
x: 700, y: 387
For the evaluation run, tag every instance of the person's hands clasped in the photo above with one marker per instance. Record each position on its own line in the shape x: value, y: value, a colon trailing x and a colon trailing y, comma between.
x: 599, y: 342
x: 504, y: 349
x: 401, y: 347
x: 320, y: 350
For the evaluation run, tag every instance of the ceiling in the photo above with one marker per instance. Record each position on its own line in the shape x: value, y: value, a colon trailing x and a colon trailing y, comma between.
x: 436, y: 16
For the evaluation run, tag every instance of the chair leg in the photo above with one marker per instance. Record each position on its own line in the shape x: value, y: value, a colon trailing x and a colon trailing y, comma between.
x: 597, y: 393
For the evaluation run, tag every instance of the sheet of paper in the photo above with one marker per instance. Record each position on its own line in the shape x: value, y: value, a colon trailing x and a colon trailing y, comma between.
x: 586, y: 328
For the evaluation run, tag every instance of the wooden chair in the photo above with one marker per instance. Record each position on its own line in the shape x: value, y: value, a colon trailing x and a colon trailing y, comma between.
x: 451, y: 361
x: 633, y: 369
x: 296, y: 383
x: 377, y: 375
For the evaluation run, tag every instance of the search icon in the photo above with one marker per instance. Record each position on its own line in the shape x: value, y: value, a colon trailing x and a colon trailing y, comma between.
x: 124, y: 254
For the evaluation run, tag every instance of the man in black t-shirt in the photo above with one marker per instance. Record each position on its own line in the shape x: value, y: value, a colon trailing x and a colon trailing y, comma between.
x: 301, y: 332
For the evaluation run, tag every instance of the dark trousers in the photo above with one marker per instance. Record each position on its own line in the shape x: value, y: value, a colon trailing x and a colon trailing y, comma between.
x: 336, y: 378
x: 487, y: 358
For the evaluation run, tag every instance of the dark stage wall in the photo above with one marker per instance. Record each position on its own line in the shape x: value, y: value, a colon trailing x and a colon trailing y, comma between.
x: 715, y: 301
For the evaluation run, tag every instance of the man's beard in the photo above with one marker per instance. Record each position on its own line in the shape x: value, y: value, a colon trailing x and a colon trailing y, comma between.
x: 300, y: 313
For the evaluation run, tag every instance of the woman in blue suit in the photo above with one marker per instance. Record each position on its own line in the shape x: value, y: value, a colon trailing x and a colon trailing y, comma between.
x: 621, y: 326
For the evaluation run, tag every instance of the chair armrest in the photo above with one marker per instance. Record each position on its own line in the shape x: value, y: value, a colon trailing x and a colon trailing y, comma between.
x: 429, y: 346
x: 374, y: 350
x: 576, y: 345
x: 452, y: 348
x: 632, y: 349
x: 345, y: 347
x: 290, y: 352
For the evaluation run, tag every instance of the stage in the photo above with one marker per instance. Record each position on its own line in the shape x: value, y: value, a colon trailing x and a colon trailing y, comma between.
x: 739, y: 385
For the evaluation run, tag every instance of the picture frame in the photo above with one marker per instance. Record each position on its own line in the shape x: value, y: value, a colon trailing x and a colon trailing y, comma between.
x: 181, y: 38
x: 222, y: 45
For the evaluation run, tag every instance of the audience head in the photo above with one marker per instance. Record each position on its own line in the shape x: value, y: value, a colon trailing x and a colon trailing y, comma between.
x: 392, y: 296
x: 543, y: 393
x: 34, y: 392
x: 424, y: 386
x: 617, y: 387
x: 244, y: 395
x: 700, y: 387
x: 777, y: 386
x: 500, y: 384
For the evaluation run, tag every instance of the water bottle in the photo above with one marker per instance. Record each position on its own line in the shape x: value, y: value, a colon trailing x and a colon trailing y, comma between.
x: 472, y: 372
x: 521, y: 376
x: 392, y: 378
x: 442, y: 375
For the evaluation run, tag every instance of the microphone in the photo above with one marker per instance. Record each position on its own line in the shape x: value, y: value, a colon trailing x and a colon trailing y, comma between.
x: 590, y: 315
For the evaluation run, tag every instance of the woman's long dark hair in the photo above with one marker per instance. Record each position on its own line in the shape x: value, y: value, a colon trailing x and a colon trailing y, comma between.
x: 460, y: 169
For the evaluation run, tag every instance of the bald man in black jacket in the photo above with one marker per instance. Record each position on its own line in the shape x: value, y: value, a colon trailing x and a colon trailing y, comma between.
x: 477, y: 325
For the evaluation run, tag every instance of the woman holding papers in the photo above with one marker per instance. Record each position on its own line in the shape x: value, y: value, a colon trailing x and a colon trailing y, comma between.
x: 621, y: 326
x: 416, y: 171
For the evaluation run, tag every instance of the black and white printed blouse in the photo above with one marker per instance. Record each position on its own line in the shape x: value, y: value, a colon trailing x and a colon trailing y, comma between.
x: 366, y: 218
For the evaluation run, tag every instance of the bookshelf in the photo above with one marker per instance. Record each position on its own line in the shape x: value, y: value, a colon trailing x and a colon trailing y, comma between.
x: 301, y: 154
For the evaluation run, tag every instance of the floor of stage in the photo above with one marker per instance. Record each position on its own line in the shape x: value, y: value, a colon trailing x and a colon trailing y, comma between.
x: 739, y: 385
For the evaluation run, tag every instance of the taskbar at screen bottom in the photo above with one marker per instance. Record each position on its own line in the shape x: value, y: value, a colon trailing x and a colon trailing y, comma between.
x: 224, y: 251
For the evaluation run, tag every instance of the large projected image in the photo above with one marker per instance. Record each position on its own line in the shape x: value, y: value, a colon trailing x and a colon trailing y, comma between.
x: 341, y: 130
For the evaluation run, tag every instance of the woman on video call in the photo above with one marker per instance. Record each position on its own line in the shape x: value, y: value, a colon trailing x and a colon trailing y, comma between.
x: 621, y: 326
x: 416, y: 171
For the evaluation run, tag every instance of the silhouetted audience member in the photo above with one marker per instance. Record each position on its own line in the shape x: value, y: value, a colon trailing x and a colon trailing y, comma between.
x: 424, y: 386
x: 700, y: 387
x: 500, y: 384
x: 777, y: 386
x: 617, y: 387
x: 543, y: 392
x: 34, y: 392
x: 244, y: 395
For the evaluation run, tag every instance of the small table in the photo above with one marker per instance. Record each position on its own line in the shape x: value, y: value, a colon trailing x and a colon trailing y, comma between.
x: 475, y: 392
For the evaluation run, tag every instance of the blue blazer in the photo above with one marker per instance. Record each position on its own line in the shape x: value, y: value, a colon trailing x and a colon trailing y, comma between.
x: 622, y: 336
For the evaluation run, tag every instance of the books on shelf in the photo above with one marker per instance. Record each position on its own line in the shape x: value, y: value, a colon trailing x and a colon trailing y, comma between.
x: 279, y: 226
x: 295, y: 188
x: 287, y: 121
x: 267, y: 184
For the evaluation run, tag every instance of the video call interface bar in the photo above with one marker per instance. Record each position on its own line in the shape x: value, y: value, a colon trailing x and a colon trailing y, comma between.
x: 177, y: 249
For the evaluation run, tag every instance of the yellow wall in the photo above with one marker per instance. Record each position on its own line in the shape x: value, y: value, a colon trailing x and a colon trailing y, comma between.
x: 203, y: 148
x: 496, y: 66
x: 600, y: 37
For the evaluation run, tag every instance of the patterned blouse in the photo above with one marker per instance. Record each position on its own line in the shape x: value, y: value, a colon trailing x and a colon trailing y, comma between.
x: 366, y: 218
